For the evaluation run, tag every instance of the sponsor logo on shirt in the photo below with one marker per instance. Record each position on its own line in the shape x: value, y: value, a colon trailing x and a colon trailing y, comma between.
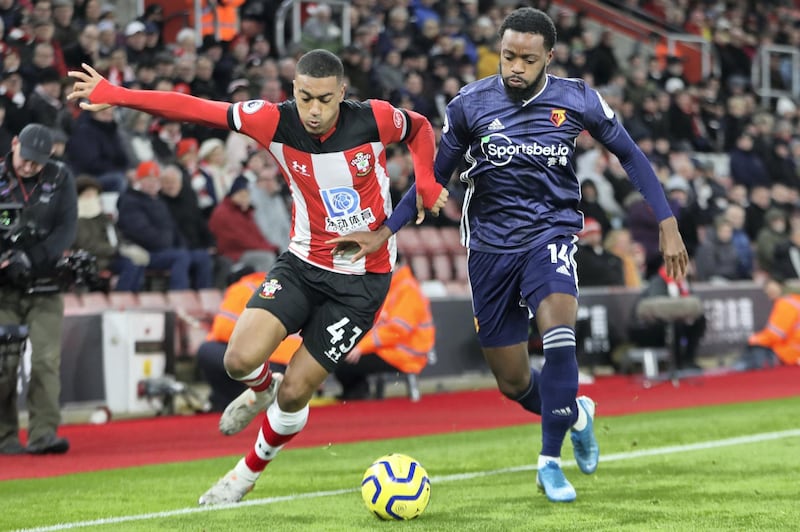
x: 343, y: 205
x: 499, y: 150
x: 300, y: 168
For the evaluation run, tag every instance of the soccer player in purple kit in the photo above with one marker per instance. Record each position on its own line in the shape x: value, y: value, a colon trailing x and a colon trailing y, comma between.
x: 517, y: 132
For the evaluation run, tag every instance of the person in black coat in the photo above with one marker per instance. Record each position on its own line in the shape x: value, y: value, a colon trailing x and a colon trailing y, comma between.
x: 596, y: 266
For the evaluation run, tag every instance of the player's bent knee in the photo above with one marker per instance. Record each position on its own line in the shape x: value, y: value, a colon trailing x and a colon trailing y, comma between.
x: 293, y: 395
x: 238, y: 364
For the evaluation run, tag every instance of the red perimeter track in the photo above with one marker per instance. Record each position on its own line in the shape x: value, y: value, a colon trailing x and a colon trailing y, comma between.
x: 182, y: 438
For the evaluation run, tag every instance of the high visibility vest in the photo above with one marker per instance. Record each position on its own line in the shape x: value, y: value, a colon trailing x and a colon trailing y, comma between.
x: 404, y: 333
x: 227, y: 18
x: 233, y: 304
x: 782, y: 331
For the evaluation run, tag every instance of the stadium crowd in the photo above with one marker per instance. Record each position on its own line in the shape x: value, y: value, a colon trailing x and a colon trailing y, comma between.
x: 730, y: 165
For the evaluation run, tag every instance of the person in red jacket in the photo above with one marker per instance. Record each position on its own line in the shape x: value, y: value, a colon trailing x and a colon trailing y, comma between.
x: 234, y: 227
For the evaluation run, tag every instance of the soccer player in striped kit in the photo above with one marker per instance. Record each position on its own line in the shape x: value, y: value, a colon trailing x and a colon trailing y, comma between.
x: 331, y: 152
x: 517, y: 132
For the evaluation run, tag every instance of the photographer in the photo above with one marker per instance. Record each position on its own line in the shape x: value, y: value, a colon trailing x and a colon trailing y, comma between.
x: 38, y: 221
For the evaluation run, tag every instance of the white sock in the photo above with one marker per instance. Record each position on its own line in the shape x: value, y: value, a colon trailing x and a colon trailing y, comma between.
x: 544, y: 459
x: 583, y: 419
x: 245, y: 472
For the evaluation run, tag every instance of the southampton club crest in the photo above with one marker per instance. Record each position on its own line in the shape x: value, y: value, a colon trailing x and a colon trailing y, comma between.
x: 269, y: 288
x: 362, y: 162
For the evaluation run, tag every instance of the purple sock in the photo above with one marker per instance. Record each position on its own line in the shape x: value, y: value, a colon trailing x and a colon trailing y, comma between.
x: 558, y: 386
x: 530, y: 399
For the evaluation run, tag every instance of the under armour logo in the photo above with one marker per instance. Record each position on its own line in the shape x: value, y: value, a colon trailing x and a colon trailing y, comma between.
x: 299, y: 168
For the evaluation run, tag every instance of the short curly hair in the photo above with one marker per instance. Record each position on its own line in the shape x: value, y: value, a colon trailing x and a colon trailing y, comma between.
x: 320, y: 64
x: 530, y: 20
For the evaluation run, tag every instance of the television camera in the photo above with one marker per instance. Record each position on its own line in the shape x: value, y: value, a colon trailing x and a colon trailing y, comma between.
x: 76, y: 269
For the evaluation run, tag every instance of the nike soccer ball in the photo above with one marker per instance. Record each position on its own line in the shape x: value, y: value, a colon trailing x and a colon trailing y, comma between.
x: 396, y: 487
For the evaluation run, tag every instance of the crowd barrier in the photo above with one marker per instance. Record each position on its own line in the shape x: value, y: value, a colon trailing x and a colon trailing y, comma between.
x: 105, y: 353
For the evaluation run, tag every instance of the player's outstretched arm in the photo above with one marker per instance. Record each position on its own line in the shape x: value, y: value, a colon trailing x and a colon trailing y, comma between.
x: 673, y: 250
x: 100, y: 94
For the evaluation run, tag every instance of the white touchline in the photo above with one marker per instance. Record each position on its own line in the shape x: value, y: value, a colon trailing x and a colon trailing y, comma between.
x: 672, y: 449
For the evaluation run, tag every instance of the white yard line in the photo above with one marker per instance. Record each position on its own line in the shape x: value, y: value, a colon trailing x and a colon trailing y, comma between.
x: 672, y: 449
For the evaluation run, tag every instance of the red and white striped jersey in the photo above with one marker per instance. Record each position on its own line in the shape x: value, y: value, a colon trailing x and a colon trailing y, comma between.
x: 339, y: 184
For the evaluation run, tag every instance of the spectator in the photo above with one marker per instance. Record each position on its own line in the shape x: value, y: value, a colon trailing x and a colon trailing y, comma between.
x: 680, y: 195
x: 144, y: 219
x: 769, y: 238
x: 269, y: 205
x: 620, y: 243
x: 717, y: 258
x: 759, y: 202
x: 85, y: 50
x: 192, y: 225
x: 43, y: 31
x: 96, y: 148
x: 591, y: 209
x: 787, y: 256
x: 238, y: 237
x: 45, y: 104
x: 32, y: 70
x: 400, y: 340
x: 746, y: 165
x: 735, y: 215
x: 97, y: 235
x: 777, y: 342
x: 136, y: 43
x: 653, y: 333
x: 597, y: 267
x: 136, y: 137
x: 319, y: 30
x: 13, y: 99
x: 213, y: 180
x: 66, y: 31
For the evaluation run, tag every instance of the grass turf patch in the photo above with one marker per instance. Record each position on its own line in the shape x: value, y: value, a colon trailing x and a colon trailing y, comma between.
x: 481, y: 480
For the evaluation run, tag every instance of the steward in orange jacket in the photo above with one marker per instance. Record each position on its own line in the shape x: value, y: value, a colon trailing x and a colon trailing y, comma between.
x: 404, y: 333
x: 227, y: 16
x: 211, y: 353
x: 233, y: 303
x: 782, y: 331
x: 400, y: 340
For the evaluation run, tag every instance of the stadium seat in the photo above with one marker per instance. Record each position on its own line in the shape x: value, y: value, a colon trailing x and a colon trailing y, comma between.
x: 123, y: 300
x: 72, y: 303
x: 210, y: 299
x: 451, y: 238
x: 153, y: 301
x: 186, y: 301
x: 460, y: 268
x: 421, y: 266
x: 431, y: 240
x: 442, y: 267
x: 408, y: 242
x: 94, y: 302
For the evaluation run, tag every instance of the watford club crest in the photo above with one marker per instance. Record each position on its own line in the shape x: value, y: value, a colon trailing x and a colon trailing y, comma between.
x: 558, y: 116
x: 362, y: 162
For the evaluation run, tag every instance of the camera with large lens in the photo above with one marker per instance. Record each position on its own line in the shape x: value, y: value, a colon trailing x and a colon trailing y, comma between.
x: 76, y: 269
